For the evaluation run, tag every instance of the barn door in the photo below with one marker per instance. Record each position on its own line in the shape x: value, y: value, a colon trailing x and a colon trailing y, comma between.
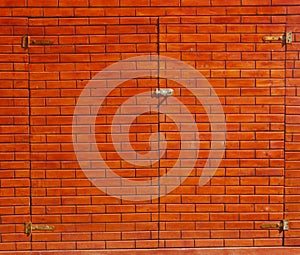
x: 193, y: 158
x: 241, y: 201
x: 14, y: 135
x: 292, y: 134
x: 80, y: 149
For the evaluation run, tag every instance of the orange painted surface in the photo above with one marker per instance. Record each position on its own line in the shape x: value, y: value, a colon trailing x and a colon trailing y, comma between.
x: 257, y: 83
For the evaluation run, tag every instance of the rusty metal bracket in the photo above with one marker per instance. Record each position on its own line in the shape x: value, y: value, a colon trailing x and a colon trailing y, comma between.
x: 26, y: 42
x: 29, y: 228
x: 282, y: 225
x: 287, y: 38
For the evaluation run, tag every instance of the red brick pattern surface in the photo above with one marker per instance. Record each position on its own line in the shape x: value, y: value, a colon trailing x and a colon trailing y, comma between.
x: 292, y: 138
x: 14, y: 133
x: 41, y: 181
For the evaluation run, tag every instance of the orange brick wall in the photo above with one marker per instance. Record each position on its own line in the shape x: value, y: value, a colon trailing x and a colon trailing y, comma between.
x: 41, y: 181
x: 292, y: 136
x: 15, y: 136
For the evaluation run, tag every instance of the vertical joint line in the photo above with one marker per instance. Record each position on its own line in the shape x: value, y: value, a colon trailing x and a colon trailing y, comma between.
x: 284, y: 138
x: 29, y: 134
x: 158, y: 130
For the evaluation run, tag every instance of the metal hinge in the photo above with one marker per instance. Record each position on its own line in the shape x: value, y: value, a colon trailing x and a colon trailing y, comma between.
x: 29, y: 228
x: 26, y: 42
x: 282, y: 225
x: 164, y: 92
x: 286, y: 38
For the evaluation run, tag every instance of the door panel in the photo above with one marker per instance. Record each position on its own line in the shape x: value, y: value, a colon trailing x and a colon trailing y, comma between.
x: 292, y: 138
x: 248, y: 75
x: 83, y: 215
x: 14, y: 136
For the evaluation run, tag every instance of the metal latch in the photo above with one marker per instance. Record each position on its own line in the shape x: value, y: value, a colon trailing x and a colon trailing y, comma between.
x: 26, y: 42
x: 286, y: 38
x: 282, y: 225
x: 164, y: 92
x: 29, y: 228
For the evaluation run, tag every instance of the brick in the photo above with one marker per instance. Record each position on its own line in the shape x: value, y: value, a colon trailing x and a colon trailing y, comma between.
x: 225, y: 234
x: 136, y: 235
x: 73, y: 3
x: 146, y: 226
x: 146, y: 244
x: 51, y: 3
x: 210, y: 208
x: 170, y: 3
x: 238, y: 242
x: 170, y: 234
x: 225, y: 19
x: 269, y: 190
x: 256, y: 2
x: 126, y: 3
x: 180, y: 225
x: 195, y: 3
x: 270, y: 64
x: 111, y: 12
x: 225, y: 38
x: 195, y: 234
x: 103, y: 3
x: 209, y: 243
x: 65, y: 245
x: 288, y: 2
x: 76, y: 218
x: 267, y: 242
x: 293, y: 9
x: 224, y: 216
x: 9, y: 219
x: 15, y: 3
x: 149, y: 12
x: 239, y: 118
x: 270, y: 118
x: 225, y: 2
x: 254, y: 234
x: 239, y: 208
x: 255, y: 73
x: 181, y: 208
x: 14, y: 238
x: 179, y: 243
x: 241, y: 10
x: 182, y: 11
x: 83, y: 245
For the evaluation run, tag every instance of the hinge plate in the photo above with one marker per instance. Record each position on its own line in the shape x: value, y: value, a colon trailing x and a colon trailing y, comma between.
x: 287, y: 38
x: 282, y: 225
x: 164, y: 92
x: 26, y: 42
x: 29, y: 228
